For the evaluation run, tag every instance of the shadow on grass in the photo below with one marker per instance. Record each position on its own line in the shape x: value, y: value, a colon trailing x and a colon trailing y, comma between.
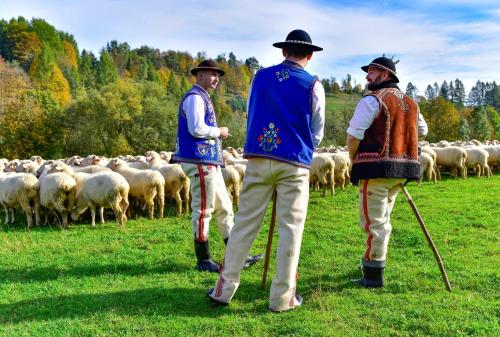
x: 52, y: 273
x: 142, y: 302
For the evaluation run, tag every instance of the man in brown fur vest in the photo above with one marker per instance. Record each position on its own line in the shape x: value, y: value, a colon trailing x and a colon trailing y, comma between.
x: 383, y: 146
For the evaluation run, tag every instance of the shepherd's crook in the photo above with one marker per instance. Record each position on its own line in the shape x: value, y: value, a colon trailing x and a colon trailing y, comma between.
x: 427, y: 236
x: 269, y: 242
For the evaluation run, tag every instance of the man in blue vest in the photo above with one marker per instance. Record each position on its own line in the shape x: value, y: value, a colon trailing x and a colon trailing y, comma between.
x: 286, y: 107
x: 200, y: 153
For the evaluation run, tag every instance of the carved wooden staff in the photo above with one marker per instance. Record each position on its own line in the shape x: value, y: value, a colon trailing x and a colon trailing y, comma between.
x: 427, y: 236
x: 269, y: 242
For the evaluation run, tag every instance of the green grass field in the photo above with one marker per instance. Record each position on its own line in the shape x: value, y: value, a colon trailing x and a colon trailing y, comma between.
x: 140, y: 281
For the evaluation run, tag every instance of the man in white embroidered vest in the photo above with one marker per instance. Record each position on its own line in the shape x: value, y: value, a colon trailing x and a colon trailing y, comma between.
x: 382, y: 138
x: 286, y: 107
x: 200, y: 153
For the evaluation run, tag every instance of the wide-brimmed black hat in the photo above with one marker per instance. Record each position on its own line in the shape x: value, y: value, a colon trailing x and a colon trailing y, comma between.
x: 298, y: 38
x: 207, y: 65
x: 383, y: 63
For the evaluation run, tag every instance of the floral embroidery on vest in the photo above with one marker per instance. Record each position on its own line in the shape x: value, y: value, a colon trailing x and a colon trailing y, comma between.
x: 269, y: 140
x: 282, y: 75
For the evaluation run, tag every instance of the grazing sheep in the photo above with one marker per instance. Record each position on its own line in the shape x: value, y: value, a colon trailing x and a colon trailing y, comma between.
x: 57, y: 190
x: 20, y: 190
x: 478, y: 158
x: 92, y: 169
x: 241, y: 168
x: 494, y: 156
x: 232, y: 181
x: 342, y: 167
x: 323, y: 170
x: 145, y: 185
x: 427, y: 166
x: 427, y: 149
x: 166, y: 155
x: 104, y: 189
x: 453, y: 157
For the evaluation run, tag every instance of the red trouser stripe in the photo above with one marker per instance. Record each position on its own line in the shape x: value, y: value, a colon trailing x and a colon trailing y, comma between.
x: 367, y: 219
x: 220, y: 282
x: 201, y: 220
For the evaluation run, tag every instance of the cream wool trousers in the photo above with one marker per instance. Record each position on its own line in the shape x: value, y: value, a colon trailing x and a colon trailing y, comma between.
x: 208, y: 196
x: 292, y: 185
x: 376, y: 201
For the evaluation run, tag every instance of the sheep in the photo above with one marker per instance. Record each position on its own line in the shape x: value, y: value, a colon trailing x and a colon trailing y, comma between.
x: 176, y: 181
x: 452, y: 156
x: 177, y: 185
x: 427, y: 166
x: 20, y: 190
x: 58, y: 189
x: 145, y: 185
x: 166, y: 155
x: 241, y: 168
x: 104, y: 189
x: 478, y: 158
x: 427, y: 149
x: 92, y: 169
x: 342, y: 167
x: 232, y: 181
x: 494, y: 155
x: 323, y: 170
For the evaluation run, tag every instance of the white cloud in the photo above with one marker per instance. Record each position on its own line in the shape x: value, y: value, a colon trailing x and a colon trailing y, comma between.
x: 430, y: 48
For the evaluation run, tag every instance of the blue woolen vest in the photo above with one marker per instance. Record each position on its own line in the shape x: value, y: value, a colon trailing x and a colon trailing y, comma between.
x: 279, y: 115
x: 190, y: 149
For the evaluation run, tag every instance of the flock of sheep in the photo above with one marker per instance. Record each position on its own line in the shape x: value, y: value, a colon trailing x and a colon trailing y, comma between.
x: 129, y: 185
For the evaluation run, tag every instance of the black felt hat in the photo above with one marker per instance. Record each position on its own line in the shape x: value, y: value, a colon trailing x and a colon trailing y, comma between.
x: 383, y: 63
x: 298, y: 38
x: 207, y: 65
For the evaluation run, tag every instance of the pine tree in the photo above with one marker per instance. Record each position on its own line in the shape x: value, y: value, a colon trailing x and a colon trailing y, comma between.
x: 459, y: 94
x: 464, y: 129
x: 173, y: 88
x: 444, y: 91
x: 411, y: 90
x: 436, y: 89
x: 106, y: 70
x: 430, y: 93
x: 479, y: 123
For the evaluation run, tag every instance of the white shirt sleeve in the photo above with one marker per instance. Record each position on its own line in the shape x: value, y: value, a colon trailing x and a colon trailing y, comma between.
x: 422, y: 125
x: 318, y: 113
x: 194, y: 108
x: 364, y: 114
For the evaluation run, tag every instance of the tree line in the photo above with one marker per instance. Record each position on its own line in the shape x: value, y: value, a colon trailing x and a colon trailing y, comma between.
x: 56, y: 100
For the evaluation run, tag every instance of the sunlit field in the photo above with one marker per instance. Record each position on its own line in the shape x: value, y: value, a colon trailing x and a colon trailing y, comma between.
x: 141, y: 281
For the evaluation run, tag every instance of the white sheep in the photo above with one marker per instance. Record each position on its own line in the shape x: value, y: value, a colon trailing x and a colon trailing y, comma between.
x: 232, y: 181
x: 427, y: 149
x: 92, y: 169
x: 453, y: 157
x: 104, y: 189
x: 20, y: 190
x: 342, y: 167
x: 494, y: 155
x: 478, y: 158
x: 323, y: 170
x: 58, y: 189
x: 145, y: 185
x: 427, y: 166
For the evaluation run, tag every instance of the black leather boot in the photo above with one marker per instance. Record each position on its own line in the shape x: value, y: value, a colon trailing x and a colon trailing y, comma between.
x: 372, y: 277
x: 251, y: 259
x: 205, y: 262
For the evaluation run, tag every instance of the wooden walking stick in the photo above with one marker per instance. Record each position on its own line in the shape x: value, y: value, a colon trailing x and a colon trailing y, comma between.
x: 269, y: 242
x: 428, y: 237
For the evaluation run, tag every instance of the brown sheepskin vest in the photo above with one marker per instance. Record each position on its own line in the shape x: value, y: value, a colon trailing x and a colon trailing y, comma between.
x: 390, y: 146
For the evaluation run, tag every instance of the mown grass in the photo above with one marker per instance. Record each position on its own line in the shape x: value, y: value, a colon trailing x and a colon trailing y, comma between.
x: 140, y: 280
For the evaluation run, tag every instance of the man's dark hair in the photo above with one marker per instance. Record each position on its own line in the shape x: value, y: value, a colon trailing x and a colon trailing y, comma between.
x: 297, y: 51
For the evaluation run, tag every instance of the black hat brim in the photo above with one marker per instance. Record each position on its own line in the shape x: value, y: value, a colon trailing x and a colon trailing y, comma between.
x: 194, y: 71
x: 365, y: 69
x: 307, y: 46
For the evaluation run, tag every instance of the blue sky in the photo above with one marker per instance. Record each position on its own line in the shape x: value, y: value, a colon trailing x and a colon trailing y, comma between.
x: 434, y: 40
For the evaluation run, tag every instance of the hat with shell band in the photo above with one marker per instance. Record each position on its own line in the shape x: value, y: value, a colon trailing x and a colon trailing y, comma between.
x: 383, y: 63
x: 298, y: 38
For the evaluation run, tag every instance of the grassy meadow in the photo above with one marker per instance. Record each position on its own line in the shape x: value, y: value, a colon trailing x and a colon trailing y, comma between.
x: 141, y: 281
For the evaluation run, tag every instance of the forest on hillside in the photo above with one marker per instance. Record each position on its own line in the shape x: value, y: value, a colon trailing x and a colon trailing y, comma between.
x: 57, y: 101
